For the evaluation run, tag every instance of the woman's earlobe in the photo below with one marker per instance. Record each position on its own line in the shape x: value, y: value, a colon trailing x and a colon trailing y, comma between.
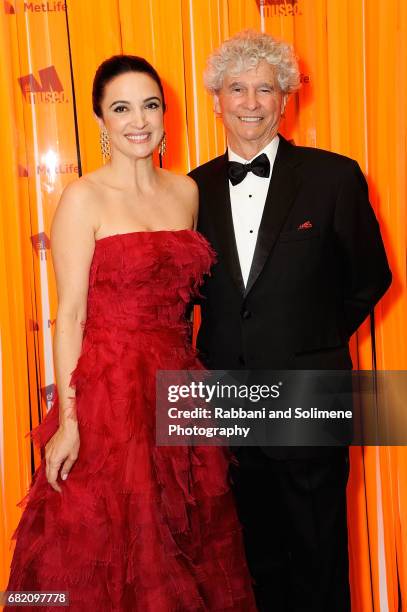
x: 99, y: 121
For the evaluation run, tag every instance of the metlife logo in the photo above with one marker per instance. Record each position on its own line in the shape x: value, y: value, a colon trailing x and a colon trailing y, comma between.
x: 11, y: 8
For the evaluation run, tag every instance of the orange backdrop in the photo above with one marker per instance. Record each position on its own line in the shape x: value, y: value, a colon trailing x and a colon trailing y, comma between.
x: 353, y: 57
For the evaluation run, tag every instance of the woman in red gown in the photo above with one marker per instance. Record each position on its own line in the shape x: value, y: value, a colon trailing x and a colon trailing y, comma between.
x: 117, y: 522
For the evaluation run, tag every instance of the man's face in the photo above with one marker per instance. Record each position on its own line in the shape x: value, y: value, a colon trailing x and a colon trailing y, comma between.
x: 251, y: 104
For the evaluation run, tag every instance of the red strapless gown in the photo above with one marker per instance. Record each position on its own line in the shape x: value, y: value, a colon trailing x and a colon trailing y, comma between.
x: 137, y: 527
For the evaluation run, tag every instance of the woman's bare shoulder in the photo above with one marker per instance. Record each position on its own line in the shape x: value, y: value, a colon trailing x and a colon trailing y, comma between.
x: 78, y: 204
x: 79, y: 189
x: 185, y: 193
x: 180, y: 182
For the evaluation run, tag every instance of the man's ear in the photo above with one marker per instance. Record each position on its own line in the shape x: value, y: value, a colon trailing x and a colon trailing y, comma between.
x: 216, y: 105
x: 284, y: 103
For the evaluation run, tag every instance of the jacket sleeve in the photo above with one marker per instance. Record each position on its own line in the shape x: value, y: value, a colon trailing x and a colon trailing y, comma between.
x: 365, y: 271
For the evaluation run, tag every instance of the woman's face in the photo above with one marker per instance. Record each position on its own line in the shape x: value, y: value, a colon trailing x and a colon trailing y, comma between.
x: 133, y: 111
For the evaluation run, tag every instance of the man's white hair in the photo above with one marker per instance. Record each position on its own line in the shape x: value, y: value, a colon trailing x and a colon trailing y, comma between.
x: 244, y: 51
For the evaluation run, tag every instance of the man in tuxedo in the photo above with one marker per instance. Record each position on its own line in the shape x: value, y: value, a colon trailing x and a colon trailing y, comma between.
x: 301, y: 264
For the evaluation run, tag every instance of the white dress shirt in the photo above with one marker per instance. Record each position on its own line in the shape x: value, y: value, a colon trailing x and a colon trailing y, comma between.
x: 247, y: 200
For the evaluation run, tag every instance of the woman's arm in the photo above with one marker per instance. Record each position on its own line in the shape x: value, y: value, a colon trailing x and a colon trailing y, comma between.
x: 72, y: 245
x: 192, y: 199
x: 189, y: 196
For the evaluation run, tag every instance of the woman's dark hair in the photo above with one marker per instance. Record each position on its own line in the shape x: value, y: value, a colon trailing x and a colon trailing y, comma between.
x: 120, y: 64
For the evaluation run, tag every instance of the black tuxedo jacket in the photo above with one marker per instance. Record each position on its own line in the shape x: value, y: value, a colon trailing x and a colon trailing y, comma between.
x: 319, y: 265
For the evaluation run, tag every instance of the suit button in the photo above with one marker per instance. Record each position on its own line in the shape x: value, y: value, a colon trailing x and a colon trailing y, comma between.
x: 241, y: 360
x: 246, y: 314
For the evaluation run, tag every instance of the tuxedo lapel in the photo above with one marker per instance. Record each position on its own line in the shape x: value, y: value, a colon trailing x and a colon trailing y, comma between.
x: 221, y: 215
x: 284, y: 185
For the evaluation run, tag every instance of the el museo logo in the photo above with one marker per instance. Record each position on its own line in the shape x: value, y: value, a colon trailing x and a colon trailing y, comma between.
x: 9, y: 8
x: 280, y: 8
x: 46, y: 88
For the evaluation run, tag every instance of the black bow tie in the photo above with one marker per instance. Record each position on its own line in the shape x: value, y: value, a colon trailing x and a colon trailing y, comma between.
x: 260, y: 166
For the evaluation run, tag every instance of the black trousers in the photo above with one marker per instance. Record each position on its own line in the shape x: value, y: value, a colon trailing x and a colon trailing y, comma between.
x: 293, y: 514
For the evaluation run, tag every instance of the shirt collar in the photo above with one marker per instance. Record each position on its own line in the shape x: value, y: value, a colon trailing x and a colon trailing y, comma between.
x: 270, y: 150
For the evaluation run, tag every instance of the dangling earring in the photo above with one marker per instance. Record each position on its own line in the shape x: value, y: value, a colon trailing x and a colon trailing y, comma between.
x: 104, y: 144
x: 163, y: 145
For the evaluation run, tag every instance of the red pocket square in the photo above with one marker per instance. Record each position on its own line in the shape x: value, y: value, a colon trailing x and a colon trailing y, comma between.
x: 305, y: 225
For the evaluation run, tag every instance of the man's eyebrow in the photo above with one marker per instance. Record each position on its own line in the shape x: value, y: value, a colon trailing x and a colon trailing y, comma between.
x: 241, y: 84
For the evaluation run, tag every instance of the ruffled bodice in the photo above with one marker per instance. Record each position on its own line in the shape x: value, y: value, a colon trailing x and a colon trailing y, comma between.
x: 146, y: 279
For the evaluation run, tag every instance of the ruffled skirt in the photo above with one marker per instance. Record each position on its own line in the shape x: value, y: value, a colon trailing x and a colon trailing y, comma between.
x: 137, y: 527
